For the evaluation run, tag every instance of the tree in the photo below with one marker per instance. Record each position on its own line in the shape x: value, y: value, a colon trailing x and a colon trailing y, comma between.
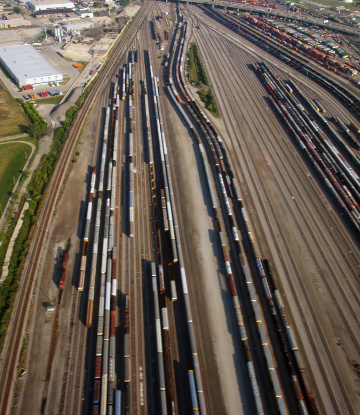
x: 17, y: 10
x: 34, y: 130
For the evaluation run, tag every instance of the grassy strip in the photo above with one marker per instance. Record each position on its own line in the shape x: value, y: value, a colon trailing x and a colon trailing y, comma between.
x: 12, y: 162
x: 9, y: 288
x: 208, y: 99
x: 196, y: 70
x: 52, y: 100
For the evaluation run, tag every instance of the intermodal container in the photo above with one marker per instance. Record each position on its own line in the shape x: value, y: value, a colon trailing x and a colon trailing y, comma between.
x: 97, y: 391
x: 165, y: 319
x: 97, y: 367
x: 278, y: 393
x: 173, y: 290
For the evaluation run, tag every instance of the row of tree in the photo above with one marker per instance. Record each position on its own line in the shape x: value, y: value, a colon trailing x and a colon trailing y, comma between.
x: 195, y: 64
x: 38, y: 124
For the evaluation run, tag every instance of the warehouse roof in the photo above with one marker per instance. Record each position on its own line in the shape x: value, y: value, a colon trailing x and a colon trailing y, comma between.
x: 50, y: 2
x: 25, y: 61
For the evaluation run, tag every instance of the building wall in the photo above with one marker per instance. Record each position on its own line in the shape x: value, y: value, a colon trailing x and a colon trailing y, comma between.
x: 40, y: 80
x: 9, y: 23
x: 84, y: 14
x: 9, y: 71
x: 68, y: 26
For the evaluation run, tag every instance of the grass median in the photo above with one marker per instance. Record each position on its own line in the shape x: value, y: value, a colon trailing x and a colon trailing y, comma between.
x: 198, y: 78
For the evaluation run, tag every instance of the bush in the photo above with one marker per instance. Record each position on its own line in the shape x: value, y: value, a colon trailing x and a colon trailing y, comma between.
x: 196, y: 70
x: 208, y: 99
x: 39, y: 125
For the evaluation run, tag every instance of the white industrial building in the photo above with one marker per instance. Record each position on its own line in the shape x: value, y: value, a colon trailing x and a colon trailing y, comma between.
x: 38, y: 5
x: 27, y: 66
x: 73, y: 26
x: 85, y: 13
x: 14, y: 23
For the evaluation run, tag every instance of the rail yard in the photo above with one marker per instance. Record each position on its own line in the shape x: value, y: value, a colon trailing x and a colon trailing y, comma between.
x: 213, y: 264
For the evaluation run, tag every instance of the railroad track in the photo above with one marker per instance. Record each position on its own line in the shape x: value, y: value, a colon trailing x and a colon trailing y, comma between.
x: 143, y: 218
x: 309, y: 230
x: 256, y: 346
x: 302, y: 58
x: 139, y: 246
x: 334, y: 223
x: 19, y: 317
x: 199, y: 329
x: 73, y: 391
x: 73, y: 401
x: 118, y: 241
x: 279, y: 251
x: 133, y: 283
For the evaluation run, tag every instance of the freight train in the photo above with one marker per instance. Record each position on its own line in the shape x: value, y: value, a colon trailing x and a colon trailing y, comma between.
x: 297, y: 44
x: 105, y: 251
x: 174, y: 231
x: 326, y: 159
x: 254, y: 35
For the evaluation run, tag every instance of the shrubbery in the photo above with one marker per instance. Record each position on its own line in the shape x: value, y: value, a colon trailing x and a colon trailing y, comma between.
x: 34, y: 116
x: 9, y: 287
x: 196, y: 70
x: 208, y: 99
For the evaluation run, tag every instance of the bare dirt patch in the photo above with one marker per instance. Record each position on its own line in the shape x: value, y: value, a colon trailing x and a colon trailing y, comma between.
x: 92, y: 33
x: 18, y: 36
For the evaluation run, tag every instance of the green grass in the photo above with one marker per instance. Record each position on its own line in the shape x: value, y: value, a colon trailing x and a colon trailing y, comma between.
x: 52, y: 100
x: 12, y: 161
x: 13, y: 120
x: 196, y: 70
x: 84, y: 63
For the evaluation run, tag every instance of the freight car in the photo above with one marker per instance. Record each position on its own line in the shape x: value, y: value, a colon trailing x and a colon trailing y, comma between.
x: 64, y: 264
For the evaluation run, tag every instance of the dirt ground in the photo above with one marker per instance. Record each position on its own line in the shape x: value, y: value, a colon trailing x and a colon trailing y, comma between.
x: 18, y: 36
x: 132, y: 9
